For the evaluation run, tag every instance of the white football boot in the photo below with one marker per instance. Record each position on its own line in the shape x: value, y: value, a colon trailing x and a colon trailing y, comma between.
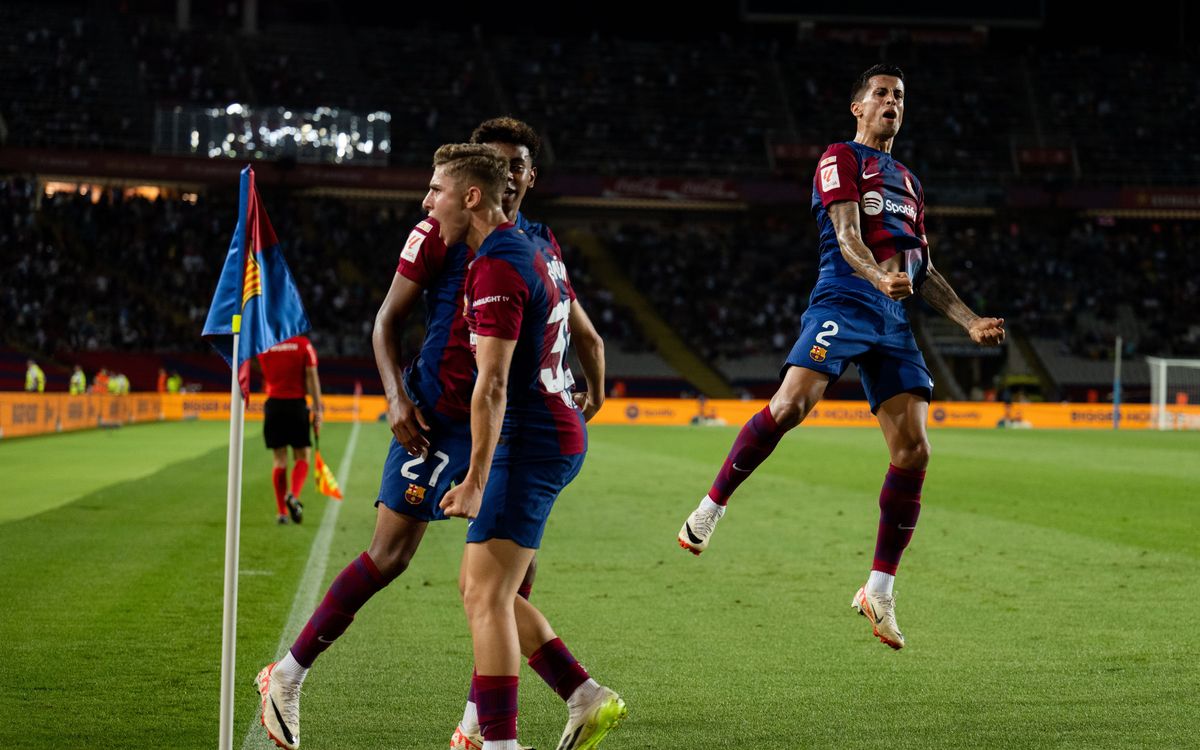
x: 698, y: 529
x: 280, y: 708
x: 592, y: 722
x: 880, y: 609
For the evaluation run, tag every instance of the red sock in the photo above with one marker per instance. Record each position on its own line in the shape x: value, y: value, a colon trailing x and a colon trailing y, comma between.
x: 496, y: 702
x: 754, y: 443
x: 561, y: 671
x: 279, y: 479
x: 899, y: 507
x: 299, y: 474
x: 357, y: 583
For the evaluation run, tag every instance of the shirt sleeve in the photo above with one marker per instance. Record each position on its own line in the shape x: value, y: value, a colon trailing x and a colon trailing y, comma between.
x: 310, y: 354
x: 423, y: 255
x: 837, y: 175
x: 920, y: 222
x: 558, y: 256
x: 498, y: 296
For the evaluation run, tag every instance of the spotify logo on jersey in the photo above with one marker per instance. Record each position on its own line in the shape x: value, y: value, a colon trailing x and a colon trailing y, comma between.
x: 872, y: 203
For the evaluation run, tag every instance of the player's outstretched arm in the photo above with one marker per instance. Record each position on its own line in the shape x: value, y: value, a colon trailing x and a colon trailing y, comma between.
x: 493, y: 356
x: 405, y: 418
x: 591, y: 356
x: 941, y: 296
x: 844, y: 215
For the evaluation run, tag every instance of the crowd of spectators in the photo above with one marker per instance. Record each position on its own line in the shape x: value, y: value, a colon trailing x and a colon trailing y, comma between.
x: 730, y: 286
x: 737, y: 287
x: 111, y: 271
x: 56, y: 88
x: 1080, y: 281
x: 115, y: 271
x: 713, y: 103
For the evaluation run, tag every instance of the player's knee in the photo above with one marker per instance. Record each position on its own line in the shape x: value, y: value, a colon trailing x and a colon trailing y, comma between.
x: 392, y: 553
x: 482, y: 602
x: 912, y: 455
x: 788, y: 412
x: 391, y: 563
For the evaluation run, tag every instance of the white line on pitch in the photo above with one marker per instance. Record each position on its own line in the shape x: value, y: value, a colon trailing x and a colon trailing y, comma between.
x: 310, y: 584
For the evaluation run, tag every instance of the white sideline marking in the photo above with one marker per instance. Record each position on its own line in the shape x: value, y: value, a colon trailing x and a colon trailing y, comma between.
x: 310, y: 585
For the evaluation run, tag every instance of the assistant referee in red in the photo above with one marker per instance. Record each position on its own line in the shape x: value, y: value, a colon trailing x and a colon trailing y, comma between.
x: 290, y: 372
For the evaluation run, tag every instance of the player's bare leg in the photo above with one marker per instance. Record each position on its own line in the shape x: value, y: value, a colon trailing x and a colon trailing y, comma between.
x: 902, y: 419
x: 491, y: 574
x: 592, y: 709
x: 509, y: 625
x: 468, y: 734
x: 396, y: 540
x: 800, y: 391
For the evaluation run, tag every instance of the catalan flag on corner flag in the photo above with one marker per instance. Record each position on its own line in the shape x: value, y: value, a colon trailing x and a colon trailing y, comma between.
x: 256, y: 290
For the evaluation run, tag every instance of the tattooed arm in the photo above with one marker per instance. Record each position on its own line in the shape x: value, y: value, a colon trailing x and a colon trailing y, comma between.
x: 844, y: 214
x: 939, y: 294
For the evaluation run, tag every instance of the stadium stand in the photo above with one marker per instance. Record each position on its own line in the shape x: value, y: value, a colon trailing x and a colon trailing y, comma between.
x: 107, y: 273
x: 996, y: 125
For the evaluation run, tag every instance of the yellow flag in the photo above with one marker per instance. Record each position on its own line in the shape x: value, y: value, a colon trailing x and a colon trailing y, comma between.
x: 326, y: 483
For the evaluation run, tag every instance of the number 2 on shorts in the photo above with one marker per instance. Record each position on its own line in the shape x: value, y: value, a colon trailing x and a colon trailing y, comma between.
x: 828, y: 330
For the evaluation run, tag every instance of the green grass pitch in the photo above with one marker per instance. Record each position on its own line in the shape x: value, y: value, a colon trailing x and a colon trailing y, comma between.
x: 1050, y: 596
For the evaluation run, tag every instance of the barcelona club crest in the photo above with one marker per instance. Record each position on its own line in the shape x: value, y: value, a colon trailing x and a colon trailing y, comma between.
x: 415, y: 494
x: 817, y: 353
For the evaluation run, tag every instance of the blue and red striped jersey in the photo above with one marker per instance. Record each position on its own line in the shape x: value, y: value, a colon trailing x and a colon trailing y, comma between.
x: 443, y: 374
x: 518, y: 289
x: 891, y: 206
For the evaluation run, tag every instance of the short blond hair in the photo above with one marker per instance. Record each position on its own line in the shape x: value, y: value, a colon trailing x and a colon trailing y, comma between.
x: 480, y: 165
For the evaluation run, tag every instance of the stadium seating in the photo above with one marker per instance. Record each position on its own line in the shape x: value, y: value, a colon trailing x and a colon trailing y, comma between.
x: 715, y: 104
x: 116, y: 273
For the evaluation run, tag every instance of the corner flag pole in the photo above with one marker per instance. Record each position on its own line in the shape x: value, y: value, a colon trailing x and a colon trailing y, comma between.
x: 233, y: 531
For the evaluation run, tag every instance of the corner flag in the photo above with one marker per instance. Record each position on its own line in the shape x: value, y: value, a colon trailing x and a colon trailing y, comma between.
x: 256, y: 288
x: 256, y: 292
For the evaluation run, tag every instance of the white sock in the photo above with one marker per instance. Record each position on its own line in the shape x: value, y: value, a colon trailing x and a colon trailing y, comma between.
x: 289, y: 669
x: 499, y: 745
x: 880, y: 583
x: 708, y: 506
x: 470, y: 719
x: 583, y: 696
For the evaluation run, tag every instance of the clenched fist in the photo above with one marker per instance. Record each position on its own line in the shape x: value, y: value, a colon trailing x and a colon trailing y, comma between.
x: 895, y: 285
x: 987, y: 331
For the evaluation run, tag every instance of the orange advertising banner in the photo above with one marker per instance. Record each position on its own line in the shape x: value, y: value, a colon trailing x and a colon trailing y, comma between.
x: 39, y: 413
x: 213, y: 406
x: 982, y: 414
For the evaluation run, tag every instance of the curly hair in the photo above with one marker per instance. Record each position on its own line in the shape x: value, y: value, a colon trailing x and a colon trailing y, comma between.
x: 508, y: 130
